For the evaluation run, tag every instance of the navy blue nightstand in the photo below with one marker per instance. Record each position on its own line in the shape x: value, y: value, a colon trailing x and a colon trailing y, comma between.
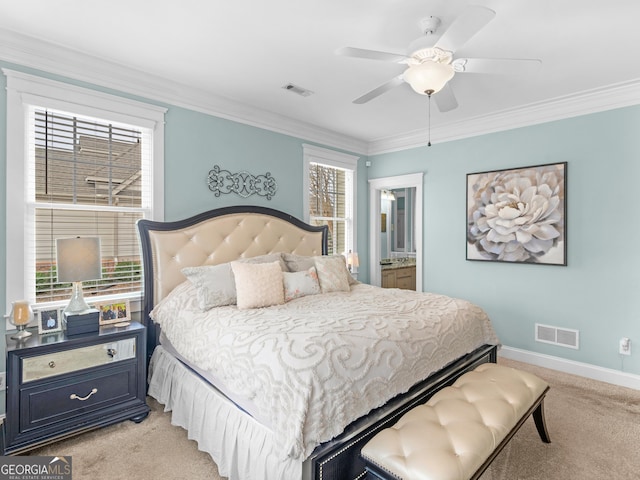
x: 59, y: 385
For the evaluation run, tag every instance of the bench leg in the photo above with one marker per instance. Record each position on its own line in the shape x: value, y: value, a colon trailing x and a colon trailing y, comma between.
x: 541, y: 425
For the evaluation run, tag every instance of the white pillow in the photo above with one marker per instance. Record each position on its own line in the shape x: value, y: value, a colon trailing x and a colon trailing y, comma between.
x: 333, y: 274
x: 299, y: 284
x: 215, y: 285
x: 258, y: 285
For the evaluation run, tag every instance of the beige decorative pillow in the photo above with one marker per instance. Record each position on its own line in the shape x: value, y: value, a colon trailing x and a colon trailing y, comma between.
x: 258, y: 285
x: 299, y: 263
x: 333, y: 273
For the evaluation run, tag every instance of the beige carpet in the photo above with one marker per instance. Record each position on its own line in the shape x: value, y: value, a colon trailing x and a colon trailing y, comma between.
x: 594, y: 428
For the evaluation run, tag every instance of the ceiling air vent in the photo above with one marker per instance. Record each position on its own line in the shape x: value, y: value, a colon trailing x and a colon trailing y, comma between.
x: 563, y: 337
x: 299, y: 90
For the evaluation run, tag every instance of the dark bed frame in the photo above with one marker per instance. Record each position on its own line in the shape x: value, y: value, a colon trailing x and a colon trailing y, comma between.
x: 339, y: 458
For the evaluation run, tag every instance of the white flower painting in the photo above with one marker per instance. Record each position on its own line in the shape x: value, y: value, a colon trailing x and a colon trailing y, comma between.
x: 517, y: 215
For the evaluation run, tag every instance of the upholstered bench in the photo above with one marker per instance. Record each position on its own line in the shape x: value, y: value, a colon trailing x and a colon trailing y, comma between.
x: 461, y: 429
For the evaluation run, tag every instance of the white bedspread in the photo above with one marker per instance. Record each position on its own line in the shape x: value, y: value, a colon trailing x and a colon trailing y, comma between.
x: 317, y: 363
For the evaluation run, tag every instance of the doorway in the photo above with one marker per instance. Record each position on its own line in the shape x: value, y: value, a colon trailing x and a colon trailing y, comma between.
x: 376, y: 187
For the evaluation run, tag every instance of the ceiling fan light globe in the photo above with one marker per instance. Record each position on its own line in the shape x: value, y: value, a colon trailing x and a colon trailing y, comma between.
x: 428, y: 76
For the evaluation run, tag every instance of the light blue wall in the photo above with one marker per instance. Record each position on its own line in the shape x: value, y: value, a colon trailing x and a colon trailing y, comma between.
x: 195, y: 142
x: 598, y: 293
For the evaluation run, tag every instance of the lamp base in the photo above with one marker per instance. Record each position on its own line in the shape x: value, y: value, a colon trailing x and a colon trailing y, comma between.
x: 21, y: 333
x: 77, y: 304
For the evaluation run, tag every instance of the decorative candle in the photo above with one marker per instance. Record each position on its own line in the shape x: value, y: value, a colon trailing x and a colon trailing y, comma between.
x: 21, y: 312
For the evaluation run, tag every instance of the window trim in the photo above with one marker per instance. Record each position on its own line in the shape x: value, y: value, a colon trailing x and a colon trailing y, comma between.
x: 24, y: 90
x: 324, y: 156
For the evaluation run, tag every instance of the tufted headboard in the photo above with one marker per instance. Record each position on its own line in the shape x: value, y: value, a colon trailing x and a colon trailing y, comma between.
x: 214, y: 237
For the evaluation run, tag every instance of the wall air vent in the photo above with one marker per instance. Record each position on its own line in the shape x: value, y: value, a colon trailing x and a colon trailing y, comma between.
x: 563, y: 337
x: 296, y: 89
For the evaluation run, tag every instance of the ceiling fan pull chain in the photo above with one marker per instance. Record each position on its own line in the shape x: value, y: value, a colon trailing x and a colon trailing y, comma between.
x: 429, y: 92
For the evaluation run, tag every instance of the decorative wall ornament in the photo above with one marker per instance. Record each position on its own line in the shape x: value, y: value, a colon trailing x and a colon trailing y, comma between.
x: 242, y: 183
x: 518, y: 215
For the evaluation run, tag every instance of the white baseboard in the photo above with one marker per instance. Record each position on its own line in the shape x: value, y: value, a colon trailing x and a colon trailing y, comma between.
x: 587, y: 370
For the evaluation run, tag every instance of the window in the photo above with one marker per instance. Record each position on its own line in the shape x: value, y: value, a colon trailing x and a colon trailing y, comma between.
x: 330, y: 180
x: 88, y: 164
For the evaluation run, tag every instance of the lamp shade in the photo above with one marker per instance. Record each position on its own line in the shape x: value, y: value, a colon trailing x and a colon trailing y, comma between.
x: 352, y: 259
x: 78, y: 259
x: 428, y: 77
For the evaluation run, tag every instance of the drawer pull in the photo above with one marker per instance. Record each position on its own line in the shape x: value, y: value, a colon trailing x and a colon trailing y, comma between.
x: 52, y: 364
x: 111, y: 352
x: 73, y: 396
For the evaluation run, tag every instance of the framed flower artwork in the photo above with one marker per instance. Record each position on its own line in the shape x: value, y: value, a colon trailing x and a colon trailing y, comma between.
x: 518, y: 215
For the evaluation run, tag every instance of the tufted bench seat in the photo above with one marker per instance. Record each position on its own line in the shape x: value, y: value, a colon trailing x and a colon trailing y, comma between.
x: 461, y: 429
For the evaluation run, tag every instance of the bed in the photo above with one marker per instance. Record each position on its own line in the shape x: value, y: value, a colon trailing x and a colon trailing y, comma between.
x: 294, y: 390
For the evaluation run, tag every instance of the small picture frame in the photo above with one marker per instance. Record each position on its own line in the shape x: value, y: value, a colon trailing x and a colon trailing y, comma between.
x: 49, y: 320
x: 114, y: 312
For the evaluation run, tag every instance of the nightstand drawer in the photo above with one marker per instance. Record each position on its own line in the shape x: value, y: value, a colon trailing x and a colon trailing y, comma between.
x: 66, y: 361
x: 52, y: 402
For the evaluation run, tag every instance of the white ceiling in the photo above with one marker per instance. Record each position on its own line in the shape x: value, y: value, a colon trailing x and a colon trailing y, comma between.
x: 241, y: 53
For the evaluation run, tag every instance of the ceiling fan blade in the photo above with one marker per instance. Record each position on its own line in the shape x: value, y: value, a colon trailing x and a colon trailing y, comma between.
x: 371, y: 54
x: 470, y: 22
x: 445, y: 99
x: 503, y: 66
x: 385, y: 87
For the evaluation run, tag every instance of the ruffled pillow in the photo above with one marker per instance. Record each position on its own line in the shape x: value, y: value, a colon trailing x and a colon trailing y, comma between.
x: 299, y: 284
x: 258, y: 285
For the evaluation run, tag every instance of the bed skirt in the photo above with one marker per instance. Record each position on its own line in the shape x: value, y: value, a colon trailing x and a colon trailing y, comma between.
x: 241, y: 447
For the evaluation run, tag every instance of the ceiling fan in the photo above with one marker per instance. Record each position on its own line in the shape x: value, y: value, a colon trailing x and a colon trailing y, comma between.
x: 430, y: 67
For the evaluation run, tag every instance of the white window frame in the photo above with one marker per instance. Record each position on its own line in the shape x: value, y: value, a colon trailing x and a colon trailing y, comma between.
x: 345, y: 161
x: 25, y: 90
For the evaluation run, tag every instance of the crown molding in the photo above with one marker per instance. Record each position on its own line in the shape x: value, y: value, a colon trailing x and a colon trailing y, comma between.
x: 618, y: 95
x: 37, y: 54
x: 55, y: 59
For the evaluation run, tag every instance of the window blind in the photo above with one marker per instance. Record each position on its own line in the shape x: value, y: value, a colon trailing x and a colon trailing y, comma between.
x: 89, y: 177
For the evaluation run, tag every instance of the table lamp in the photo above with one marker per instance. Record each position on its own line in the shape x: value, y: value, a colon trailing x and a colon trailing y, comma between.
x: 78, y: 259
x: 352, y: 260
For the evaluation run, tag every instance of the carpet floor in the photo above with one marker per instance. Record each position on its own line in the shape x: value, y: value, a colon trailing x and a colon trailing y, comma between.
x: 594, y: 429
